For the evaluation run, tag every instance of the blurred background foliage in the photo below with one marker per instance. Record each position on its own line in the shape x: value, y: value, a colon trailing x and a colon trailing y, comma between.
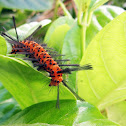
x: 31, y: 10
x: 120, y: 3
x: 37, y: 10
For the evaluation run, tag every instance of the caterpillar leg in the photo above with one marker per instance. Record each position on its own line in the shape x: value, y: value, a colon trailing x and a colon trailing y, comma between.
x: 57, y: 103
x: 77, y: 96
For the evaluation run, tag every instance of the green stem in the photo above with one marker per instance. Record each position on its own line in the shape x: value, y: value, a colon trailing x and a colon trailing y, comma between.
x: 64, y: 9
x: 89, y: 18
x: 79, y: 16
x: 56, y: 9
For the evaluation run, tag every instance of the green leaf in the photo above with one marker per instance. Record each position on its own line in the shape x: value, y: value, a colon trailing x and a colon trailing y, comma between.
x: 36, y: 124
x: 27, y: 29
x: 57, y: 31
x: 3, y: 46
x: 106, y: 13
x: 72, y: 45
x: 117, y: 113
x: 106, y: 83
x: 57, y: 37
x: 8, y: 106
x: 114, y: 10
x: 38, y: 5
x: 97, y: 4
x: 72, y: 50
x: 27, y: 85
x: 70, y: 113
x: 101, y: 17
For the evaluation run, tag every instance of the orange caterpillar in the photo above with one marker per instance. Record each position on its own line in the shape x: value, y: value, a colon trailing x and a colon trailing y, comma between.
x: 43, y: 58
x: 40, y: 57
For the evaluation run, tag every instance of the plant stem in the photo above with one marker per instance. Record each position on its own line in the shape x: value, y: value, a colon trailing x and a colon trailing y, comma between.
x: 89, y: 18
x: 64, y: 9
x: 56, y: 9
x: 79, y: 16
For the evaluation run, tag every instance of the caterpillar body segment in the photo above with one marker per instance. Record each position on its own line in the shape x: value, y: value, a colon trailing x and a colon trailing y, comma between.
x: 42, y: 57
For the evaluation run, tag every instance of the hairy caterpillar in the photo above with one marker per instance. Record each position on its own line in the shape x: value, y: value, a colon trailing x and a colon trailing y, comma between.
x: 40, y: 57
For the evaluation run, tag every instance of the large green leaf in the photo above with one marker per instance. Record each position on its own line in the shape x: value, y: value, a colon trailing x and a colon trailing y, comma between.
x: 27, y: 85
x: 8, y: 106
x: 72, y: 51
x: 57, y: 31
x: 36, y: 5
x: 106, y: 83
x: 117, y: 113
x: 70, y: 113
x: 57, y: 37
